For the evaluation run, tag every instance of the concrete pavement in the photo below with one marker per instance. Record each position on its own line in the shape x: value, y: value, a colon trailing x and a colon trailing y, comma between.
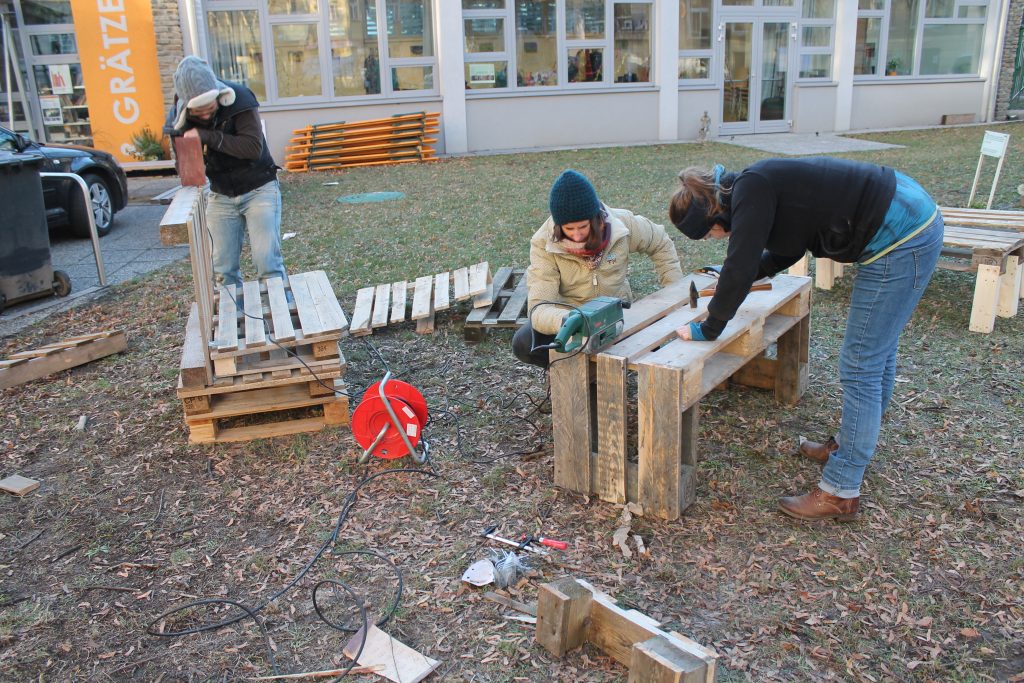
x: 131, y: 248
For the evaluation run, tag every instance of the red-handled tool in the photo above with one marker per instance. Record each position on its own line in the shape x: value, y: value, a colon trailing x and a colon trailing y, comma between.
x: 549, y: 542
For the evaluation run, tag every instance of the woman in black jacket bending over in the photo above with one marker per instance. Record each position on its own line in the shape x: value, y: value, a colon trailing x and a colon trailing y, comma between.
x: 773, y: 212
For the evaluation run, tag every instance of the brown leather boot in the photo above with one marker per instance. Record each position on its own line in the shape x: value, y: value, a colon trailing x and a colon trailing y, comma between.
x: 820, y: 505
x: 819, y: 452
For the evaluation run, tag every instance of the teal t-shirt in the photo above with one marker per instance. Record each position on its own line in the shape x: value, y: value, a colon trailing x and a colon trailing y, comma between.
x: 911, y: 210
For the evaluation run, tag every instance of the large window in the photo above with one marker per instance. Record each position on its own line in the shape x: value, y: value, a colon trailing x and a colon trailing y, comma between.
x: 517, y: 44
x: 919, y: 37
x: 816, y: 45
x: 696, y: 26
x: 323, y: 49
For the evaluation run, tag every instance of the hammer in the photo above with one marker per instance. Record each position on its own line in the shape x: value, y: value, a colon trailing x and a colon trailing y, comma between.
x: 525, y: 545
x: 710, y: 291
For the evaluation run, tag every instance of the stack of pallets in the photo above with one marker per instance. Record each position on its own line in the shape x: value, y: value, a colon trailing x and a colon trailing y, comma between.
x: 270, y: 357
x: 399, y: 139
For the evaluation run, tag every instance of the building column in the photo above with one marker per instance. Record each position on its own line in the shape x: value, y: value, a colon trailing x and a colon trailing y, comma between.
x: 843, y: 63
x: 666, y: 58
x: 452, y: 78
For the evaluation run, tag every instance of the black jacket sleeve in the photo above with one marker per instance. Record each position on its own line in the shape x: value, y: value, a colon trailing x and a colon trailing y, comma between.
x: 245, y: 143
x: 752, y: 204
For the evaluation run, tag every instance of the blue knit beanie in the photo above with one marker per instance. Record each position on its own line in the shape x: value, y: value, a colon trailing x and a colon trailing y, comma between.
x: 573, y: 198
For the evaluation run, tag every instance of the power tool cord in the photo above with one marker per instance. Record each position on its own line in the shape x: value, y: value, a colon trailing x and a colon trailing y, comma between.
x: 253, y: 612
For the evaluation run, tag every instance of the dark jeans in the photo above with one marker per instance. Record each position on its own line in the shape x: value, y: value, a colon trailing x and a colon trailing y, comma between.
x: 525, y: 339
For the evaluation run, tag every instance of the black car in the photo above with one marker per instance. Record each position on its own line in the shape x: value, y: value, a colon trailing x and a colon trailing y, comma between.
x: 65, y: 204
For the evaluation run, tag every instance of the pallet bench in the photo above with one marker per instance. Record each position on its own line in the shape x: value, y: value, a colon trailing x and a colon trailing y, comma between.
x: 508, y: 305
x: 590, y: 412
x: 992, y: 245
x: 388, y: 304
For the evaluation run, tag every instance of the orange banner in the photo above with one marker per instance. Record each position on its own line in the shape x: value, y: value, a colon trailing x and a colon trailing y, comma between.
x: 117, y: 48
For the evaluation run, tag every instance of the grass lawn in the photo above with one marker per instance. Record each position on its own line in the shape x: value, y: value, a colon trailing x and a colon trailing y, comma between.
x: 131, y: 521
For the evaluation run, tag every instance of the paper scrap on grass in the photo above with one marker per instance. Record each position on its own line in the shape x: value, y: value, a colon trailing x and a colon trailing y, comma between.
x: 368, y: 197
x: 288, y: 236
x: 402, y: 664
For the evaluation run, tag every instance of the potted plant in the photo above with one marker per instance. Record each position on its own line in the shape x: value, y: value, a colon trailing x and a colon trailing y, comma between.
x: 892, y: 67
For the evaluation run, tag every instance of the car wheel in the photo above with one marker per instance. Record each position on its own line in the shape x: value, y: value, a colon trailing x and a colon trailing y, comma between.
x: 102, y: 207
x: 61, y: 283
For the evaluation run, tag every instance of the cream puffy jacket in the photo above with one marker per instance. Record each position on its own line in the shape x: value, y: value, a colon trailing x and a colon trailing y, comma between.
x: 556, y: 275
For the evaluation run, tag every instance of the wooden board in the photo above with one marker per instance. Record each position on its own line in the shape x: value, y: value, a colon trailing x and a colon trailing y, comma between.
x: 399, y: 291
x: 441, y: 287
x: 29, y: 365
x: 421, y: 298
x: 18, y: 485
x: 401, y: 663
x: 362, y: 312
x: 381, y: 306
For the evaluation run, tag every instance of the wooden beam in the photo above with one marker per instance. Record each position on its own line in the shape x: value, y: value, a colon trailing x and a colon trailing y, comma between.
x: 26, y: 370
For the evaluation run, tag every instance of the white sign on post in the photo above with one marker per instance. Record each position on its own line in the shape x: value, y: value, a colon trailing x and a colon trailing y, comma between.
x: 993, y: 145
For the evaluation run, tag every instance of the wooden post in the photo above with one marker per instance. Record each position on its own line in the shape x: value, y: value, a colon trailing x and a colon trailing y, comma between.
x: 1010, y: 287
x: 657, y: 660
x: 986, y: 297
x: 563, y: 610
x: 571, y: 419
x: 792, y: 373
x: 660, y: 426
x: 612, y: 421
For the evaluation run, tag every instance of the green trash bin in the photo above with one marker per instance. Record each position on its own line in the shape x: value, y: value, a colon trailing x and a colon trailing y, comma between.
x: 25, y: 268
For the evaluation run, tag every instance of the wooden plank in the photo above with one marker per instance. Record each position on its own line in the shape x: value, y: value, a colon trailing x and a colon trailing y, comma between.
x: 1010, y: 288
x: 486, y: 296
x: 563, y: 609
x: 986, y: 298
x: 478, y: 315
x: 35, y: 368
x: 332, y: 318
x: 194, y: 368
x: 478, y: 278
x: 190, y: 164
x: 254, y: 401
x: 400, y: 662
x: 514, y: 307
x: 425, y: 325
x: 255, y: 328
x: 381, y: 306
x: 280, y: 311
x: 460, y: 279
x: 362, y: 312
x: 227, y: 319
x: 609, y: 475
x: 441, y: 298
x: 305, y: 304
x: 421, y: 298
x: 18, y: 485
x: 659, y: 422
x: 325, y: 370
x: 571, y: 419
x: 209, y: 432
x: 399, y: 290
x: 174, y: 228
x: 791, y: 368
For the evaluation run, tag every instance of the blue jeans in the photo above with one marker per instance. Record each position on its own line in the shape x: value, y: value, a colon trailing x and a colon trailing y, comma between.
x: 885, y: 294
x: 257, y: 212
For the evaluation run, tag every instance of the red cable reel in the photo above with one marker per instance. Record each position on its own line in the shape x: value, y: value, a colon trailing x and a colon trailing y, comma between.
x: 376, y: 431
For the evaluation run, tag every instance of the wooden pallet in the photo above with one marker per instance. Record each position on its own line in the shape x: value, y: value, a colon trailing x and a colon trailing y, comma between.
x: 253, y: 323
x: 419, y: 300
x: 591, y: 417
x: 396, y: 140
x: 266, y: 412
x: 508, y: 308
x: 26, y: 366
x: 273, y: 395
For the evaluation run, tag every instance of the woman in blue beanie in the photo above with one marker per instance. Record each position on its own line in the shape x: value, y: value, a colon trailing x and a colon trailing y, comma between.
x: 581, y: 252
x: 851, y: 212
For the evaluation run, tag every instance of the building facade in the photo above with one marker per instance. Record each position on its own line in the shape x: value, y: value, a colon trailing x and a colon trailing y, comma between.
x: 526, y: 74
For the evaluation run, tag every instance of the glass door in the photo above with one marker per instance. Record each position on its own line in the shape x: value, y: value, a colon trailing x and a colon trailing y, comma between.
x: 755, y: 81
